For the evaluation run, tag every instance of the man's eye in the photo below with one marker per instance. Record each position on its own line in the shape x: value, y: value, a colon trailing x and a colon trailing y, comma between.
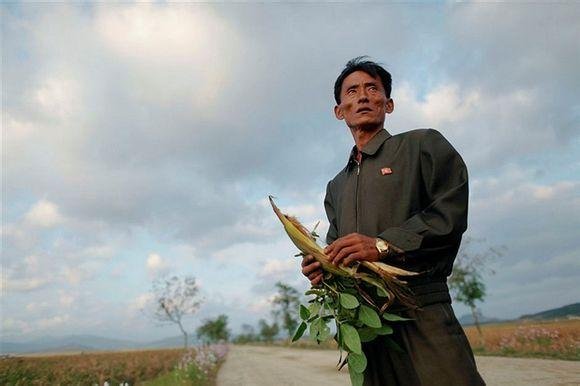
x: 350, y: 92
x: 373, y: 88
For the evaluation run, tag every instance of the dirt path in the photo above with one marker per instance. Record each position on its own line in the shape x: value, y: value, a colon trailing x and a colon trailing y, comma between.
x: 267, y: 366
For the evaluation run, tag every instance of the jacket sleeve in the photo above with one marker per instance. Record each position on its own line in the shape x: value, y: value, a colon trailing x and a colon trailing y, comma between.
x: 443, y: 218
x: 332, y: 233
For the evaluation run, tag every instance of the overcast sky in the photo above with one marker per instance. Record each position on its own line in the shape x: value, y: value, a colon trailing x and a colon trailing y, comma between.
x: 142, y: 140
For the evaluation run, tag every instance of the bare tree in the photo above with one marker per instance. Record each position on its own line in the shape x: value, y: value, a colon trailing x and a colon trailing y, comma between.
x: 175, y: 298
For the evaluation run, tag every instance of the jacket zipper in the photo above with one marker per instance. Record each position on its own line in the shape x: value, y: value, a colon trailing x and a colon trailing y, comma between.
x: 356, y: 209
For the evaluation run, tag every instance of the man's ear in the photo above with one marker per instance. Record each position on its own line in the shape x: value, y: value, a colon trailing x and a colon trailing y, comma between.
x: 390, y: 106
x: 338, y: 112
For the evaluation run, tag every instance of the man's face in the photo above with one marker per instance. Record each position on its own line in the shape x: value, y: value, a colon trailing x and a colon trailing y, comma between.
x: 363, y: 103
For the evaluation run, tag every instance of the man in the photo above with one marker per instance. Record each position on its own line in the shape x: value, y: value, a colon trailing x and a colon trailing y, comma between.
x: 403, y: 200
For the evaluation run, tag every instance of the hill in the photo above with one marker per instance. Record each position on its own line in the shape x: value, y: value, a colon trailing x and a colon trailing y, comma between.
x: 568, y: 311
x: 85, y: 343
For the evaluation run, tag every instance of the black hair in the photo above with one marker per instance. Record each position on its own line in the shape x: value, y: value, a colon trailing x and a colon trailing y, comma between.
x: 362, y: 63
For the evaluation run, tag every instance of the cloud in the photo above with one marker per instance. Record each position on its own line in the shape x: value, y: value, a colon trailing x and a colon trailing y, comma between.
x: 277, y: 268
x: 163, y: 127
x: 156, y: 265
x: 43, y: 214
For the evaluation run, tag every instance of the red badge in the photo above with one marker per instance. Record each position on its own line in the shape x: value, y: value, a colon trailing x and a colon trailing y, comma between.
x: 385, y: 171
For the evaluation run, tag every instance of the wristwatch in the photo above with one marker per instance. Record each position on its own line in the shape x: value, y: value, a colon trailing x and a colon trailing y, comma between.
x: 383, y: 247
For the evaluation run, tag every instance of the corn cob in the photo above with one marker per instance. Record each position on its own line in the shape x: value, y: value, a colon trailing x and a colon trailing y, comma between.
x: 386, y: 276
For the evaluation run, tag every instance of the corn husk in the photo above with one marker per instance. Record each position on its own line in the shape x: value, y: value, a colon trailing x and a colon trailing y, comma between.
x: 386, y: 277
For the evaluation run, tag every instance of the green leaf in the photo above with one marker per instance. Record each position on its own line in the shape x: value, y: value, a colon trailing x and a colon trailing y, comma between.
x: 314, y: 330
x: 356, y: 379
x: 299, y: 332
x: 357, y: 362
x: 369, y: 316
x: 314, y: 291
x: 367, y: 334
x: 382, y: 293
x: 314, y: 308
x: 323, y: 332
x: 348, y: 301
x: 393, y: 317
x: 304, y: 313
x: 351, y: 338
x: 384, y: 330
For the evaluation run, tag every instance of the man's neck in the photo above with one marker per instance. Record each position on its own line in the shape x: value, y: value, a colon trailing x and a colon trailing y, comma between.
x: 362, y: 136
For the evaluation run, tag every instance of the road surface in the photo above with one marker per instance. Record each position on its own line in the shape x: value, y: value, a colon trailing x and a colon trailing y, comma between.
x: 268, y: 366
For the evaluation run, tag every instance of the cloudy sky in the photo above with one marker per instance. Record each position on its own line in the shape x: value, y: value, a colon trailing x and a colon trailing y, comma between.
x: 142, y: 140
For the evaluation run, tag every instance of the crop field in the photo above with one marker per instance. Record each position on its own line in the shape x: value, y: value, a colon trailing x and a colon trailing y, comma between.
x: 146, y: 367
x: 88, y: 369
x: 540, y: 339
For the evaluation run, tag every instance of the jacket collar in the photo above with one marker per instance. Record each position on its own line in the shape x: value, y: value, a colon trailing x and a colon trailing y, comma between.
x: 375, y: 143
x: 372, y: 146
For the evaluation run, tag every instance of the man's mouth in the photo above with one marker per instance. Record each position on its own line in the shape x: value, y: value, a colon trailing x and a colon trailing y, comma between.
x: 363, y: 109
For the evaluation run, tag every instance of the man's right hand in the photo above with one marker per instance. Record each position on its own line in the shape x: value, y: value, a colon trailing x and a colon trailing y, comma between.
x: 312, y: 269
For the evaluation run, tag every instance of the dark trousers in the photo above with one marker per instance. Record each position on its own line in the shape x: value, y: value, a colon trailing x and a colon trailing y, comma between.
x: 435, y: 352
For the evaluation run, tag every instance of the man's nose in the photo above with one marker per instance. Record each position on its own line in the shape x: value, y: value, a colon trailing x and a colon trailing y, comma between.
x: 363, y: 97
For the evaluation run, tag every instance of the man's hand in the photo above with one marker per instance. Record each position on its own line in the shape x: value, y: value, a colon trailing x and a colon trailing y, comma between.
x: 312, y: 269
x: 351, y: 248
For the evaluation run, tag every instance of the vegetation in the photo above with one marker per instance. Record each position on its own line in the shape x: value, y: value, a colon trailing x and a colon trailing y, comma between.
x: 88, y: 369
x: 557, y: 339
x: 248, y: 335
x: 355, y: 298
x: 466, y: 283
x: 149, y: 367
x: 176, y: 298
x: 268, y: 331
x: 214, y: 330
x: 286, y: 305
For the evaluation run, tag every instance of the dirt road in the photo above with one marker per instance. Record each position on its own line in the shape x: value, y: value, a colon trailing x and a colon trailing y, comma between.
x: 272, y: 366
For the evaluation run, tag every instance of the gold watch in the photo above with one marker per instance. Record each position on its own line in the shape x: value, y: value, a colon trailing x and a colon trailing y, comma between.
x: 383, y: 247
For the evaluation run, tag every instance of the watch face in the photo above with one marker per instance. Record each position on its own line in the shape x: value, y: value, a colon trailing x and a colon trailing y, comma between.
x: 382, y: 246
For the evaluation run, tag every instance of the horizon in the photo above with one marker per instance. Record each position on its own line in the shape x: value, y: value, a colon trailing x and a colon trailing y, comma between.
x: 142, y: 140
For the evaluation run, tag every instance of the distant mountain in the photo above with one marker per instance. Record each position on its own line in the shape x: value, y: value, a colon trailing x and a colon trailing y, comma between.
x: 467, y: 320
x: 67, y: 343
x: 571, y: 310
x: 73, y: 343
x: 171, y: 342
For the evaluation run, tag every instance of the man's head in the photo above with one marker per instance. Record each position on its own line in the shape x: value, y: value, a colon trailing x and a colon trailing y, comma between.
x: 362, y: 64
x: 362, y: 92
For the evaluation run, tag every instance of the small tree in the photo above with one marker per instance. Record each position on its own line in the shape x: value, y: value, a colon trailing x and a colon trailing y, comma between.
x: 286, y: 305
x: 466, y: 282
x: 214, y: 330
x: 268, y: 331
x: 175, y: 298
x: 248, y: 334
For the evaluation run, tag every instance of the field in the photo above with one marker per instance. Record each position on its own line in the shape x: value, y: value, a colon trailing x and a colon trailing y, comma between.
x: 555, y: 339
x: 558, y: 339
x: 147, y: 367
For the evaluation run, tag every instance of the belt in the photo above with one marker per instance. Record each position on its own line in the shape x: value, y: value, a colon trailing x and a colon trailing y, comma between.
x: 430, y: 293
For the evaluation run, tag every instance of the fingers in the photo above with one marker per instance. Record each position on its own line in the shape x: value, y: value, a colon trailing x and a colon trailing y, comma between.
x: 310, y: 265
x: 352, y: 258
x: 307, y: 259
x: 342, y: 253
x: 317, y: 280
x: 340, y: 243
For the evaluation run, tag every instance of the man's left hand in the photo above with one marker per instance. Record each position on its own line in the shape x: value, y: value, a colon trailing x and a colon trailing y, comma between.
x: 351, y: 248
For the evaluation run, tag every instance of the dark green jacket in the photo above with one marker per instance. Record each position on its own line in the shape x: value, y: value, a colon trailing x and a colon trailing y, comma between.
x: 411, y: 190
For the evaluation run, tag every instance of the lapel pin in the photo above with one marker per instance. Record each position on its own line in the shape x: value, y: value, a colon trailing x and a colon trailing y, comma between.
x: 385, y: 171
